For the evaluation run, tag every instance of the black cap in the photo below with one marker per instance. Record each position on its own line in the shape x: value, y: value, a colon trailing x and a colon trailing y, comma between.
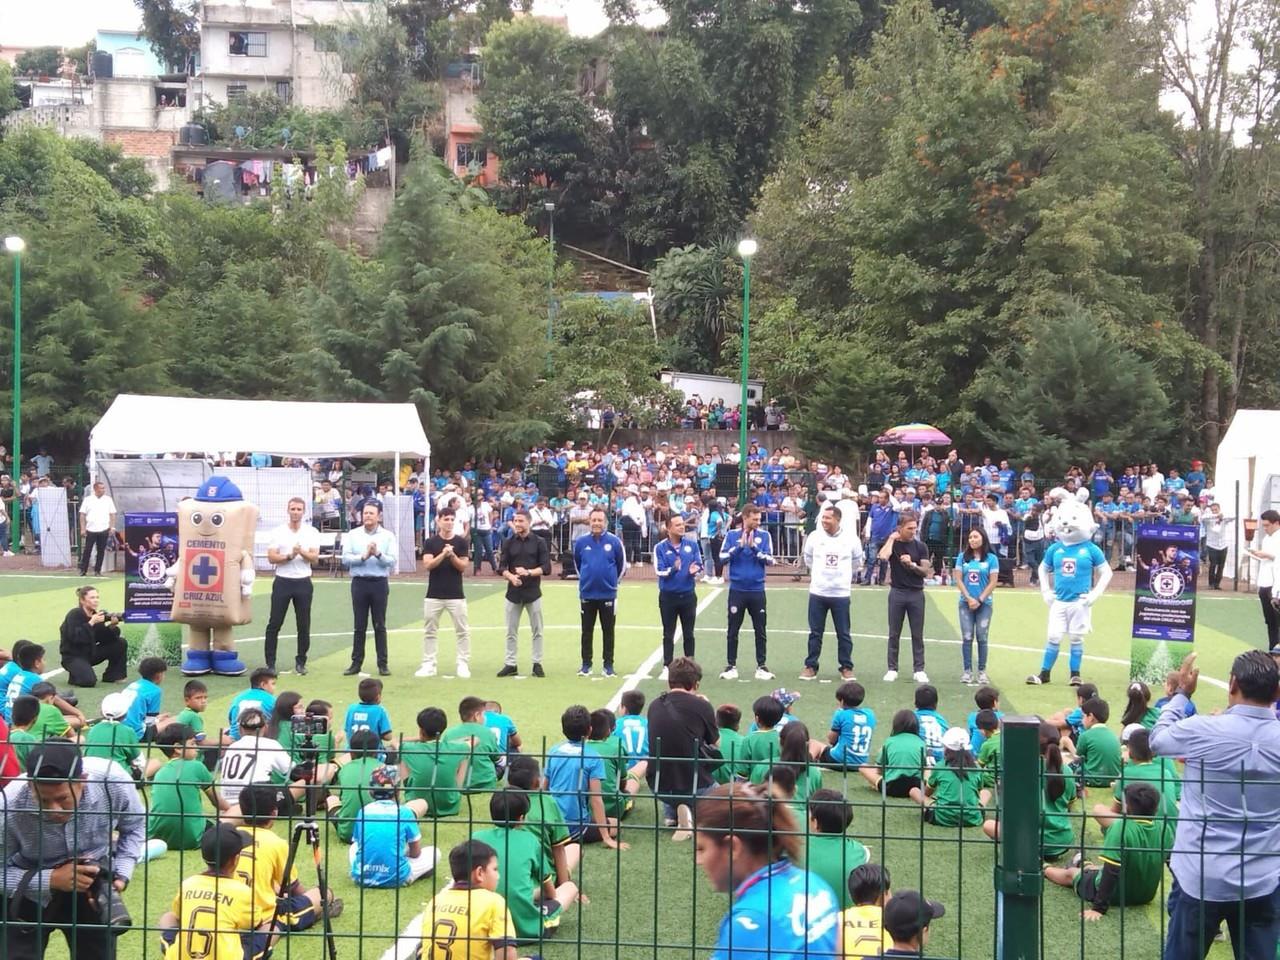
x: 907, y: 913
x: 220, y: 843
x: 55, y: 759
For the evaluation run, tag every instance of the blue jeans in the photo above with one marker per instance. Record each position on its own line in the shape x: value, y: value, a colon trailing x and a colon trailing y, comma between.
x: 874, y: 565
x: 1033, y: 553
x: 839, y: 609
x: 1254, y: 925
x: 974, y: 623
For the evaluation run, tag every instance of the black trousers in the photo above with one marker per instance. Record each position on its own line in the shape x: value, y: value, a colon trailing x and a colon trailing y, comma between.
x: 79, y: 664
x: 631, y: 539
x: 608, y: 620
x: 298, y: 591
x: 90, y: 541
x: 369, y: 598
x: 908, y: 604
x: 740, y: 604
x: 673, y: 607
x: 25, y: 939
x: 1271, y: 616
x: 1217, y: 563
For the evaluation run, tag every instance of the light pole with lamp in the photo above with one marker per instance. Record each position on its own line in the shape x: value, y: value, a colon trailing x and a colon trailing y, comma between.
x: 746, y: 250
x: 14, y: 246
x: 551, y: 273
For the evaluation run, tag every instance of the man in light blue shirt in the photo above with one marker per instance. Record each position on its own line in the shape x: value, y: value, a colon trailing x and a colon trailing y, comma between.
x: 1228, y: 840
x: 369, y: 552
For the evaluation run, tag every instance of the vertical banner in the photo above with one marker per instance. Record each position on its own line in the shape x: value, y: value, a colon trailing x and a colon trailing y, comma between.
x: 1164, y: 598
x: 151, y: 549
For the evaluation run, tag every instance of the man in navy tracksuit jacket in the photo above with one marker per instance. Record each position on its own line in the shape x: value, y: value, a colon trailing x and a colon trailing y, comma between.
x: 677, y: 560
x: 600, y: 559
x: 747, y: 552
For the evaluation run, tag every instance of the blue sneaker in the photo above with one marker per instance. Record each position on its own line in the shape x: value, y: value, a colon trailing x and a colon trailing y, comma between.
x: 608, y: 672
x: 197, y: 663
x: 227, y: 664
x: 585, y: 671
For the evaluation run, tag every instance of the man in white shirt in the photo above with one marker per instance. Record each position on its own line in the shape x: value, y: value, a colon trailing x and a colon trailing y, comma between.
x: 97, y: 520
x: 634, y: 524
x: 484, y: 535
x: 995, y: 522
x: 833, y: 554
x: 1266, y: 554
x: 294, y: 547
x: 1153, y: 482
x: 1215, y: 525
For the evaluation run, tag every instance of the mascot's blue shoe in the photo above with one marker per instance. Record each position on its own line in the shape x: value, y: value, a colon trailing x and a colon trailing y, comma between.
x: 227, y: 664
x: 197, y: 663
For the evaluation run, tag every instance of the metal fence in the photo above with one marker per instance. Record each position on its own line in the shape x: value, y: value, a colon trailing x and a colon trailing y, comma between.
x: 649, y: 901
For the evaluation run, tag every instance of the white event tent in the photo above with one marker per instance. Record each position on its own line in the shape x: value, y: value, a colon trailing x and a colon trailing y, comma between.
x: 137, y: 425
x: 1246, y: 473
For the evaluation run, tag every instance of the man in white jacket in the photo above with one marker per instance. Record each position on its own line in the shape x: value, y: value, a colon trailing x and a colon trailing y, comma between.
x: 833, y: 554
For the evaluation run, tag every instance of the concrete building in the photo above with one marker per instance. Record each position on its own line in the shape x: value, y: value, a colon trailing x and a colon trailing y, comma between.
x: 266, y: 46
x: 131, y: 55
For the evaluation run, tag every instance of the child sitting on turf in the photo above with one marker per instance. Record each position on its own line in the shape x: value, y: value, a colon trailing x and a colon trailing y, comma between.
x: 525, y: 875
x: 1071, y: 722
x: 1141, y: 766
x: 545, y: 819
x: 781, y: 780
x: 616, y: 789
x: 368, y: 714
x: 988, y: 723
x: 1134, y: 849
x: 9, y: 668
x: 1171, y: 681
x: 759, y: 748
x: 256, y: 758
x: 574, y: 776
x: 351, y: 784
x: 901, y: 762
x: 932, y: 724
x: 263, y: 861
x: 907, y: 916
x: 985, y: 698
x: 481, y: 745
x: 863, y: 922
x: 1095, y: 755
x: 22, y: 717
x: 828, y: 852
x: 729, y: 719
x: 504, y: 731
x: 322, y: 749
x: 176, y: 814
x: 145, y: 699
x: 469, y: 911
x: 1138, y: 708
x: 794, y: 751
x: 261, y: 694
x: 849, y: 740
x: 30, y: 666
x: 633, y: 731
x: 52, y: 722
x: 953, y: 785
x: 214, y: 909
x: 195, y: 700
x: 386, y: 844
x: 1057, y: 834
x: 434, y: 771
x: 111, y: 739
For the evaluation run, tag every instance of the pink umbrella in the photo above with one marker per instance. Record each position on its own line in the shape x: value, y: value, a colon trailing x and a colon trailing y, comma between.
x: 912, y: 435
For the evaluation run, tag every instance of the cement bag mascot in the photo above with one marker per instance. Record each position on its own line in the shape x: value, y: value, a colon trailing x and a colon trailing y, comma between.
x: 214, y: 575
x: 1073, y: 575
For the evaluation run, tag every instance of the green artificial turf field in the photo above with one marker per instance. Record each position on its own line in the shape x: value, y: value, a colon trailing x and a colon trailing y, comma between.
x: 652, y: 893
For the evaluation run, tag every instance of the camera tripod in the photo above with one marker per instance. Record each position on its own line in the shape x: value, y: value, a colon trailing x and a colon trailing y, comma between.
x: 307, y: 828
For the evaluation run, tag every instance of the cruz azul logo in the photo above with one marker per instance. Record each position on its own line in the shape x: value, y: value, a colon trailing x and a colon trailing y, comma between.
x: 1167, y: 583
x: 202, y: 576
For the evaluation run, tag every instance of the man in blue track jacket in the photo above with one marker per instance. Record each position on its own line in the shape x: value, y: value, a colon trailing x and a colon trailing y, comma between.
x: 600, y: 562
x: 747, y: 552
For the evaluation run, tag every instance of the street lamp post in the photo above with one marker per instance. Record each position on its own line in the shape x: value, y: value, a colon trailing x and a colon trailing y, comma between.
x: 15, y: 246
x: 551, y: 274
x: 746, y: 250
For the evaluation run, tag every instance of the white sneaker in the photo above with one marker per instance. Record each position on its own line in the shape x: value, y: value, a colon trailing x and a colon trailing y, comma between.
x: 890, y: 676
x: 463, y: 672
x: 966, y: 677
x: 730, y: 673
x: 762, y: 673
x: 8, y: 553
x: 425, y: 671
x: 920, y: 677
x: 663, y: 674
x: 983, y: 678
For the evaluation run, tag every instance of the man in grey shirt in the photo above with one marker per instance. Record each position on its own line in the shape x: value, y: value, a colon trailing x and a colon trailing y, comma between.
x: 579, y: 526
x: 1226, y: 856
x: 69, y: 819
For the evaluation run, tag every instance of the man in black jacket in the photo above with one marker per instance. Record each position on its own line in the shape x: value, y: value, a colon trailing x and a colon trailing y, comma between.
x: 682, y: 738
x: 524, y: 560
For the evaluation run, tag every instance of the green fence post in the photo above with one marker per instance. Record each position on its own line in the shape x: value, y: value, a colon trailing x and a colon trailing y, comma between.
x: 1019, y: 880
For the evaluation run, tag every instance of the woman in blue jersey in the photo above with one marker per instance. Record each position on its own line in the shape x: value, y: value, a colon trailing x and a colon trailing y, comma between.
x: 977, y: 570
x: 747, y: 845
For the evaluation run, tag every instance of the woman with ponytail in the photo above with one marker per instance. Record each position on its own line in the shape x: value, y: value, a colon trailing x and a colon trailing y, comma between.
x: 1057, y: 835
x: 748, y: 845
x: 1138, y: 709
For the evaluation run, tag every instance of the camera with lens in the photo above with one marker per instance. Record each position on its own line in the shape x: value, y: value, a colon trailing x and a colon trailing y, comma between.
x: 309, y: 725
x: 109, y: 902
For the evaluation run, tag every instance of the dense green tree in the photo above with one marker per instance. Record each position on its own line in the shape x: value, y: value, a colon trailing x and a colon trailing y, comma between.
x: 692, y: 290
x: 128, y: 176
x: 8, y: 96
x: 441, y: 32
x: 172, y: 29
x: 854, y: 396
x: 39, y: 62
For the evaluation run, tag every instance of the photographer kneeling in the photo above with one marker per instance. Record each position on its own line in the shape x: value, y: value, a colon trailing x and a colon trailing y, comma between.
x: 88, y: 637
x: 68, y: 878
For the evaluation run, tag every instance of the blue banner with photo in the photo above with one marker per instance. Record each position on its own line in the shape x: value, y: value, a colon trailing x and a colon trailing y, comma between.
x: 151, y: 550
x: 1164, y: 591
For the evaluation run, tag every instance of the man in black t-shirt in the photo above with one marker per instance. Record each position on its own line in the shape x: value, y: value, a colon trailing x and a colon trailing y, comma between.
x: 523, y: 561
x: 908, y: 566
x: 445, y: 556
x: 682, y: 736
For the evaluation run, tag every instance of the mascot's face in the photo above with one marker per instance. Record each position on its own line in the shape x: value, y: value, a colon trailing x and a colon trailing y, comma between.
x: 231, y: 520
x: 1073, y: 521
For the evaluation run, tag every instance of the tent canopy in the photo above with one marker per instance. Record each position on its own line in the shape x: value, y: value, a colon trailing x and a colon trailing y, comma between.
x: 1246, y: 475
x: 138, y: 425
